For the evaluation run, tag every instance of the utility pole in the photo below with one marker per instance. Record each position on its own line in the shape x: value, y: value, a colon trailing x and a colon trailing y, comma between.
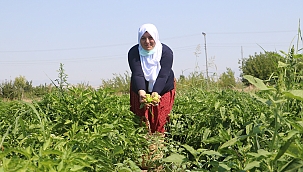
x: 204, y: 34
x: 241, y: 52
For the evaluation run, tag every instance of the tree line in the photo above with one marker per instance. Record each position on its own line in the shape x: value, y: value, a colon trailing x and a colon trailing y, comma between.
x: 262, y: 65
x: 20, y: 88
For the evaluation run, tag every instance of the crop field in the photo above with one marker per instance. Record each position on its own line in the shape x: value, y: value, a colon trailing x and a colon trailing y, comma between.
x: 85, y: 129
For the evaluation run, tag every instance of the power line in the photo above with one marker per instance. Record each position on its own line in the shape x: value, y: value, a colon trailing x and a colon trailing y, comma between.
x: 113, y: 57
x: 253, y: 32
x: 64, y: 60
x: 63, y: 49
x: 184, y: 47
x: 116, y: 45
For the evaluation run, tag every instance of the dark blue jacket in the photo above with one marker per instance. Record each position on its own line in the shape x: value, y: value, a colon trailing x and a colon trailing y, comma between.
x: 165, y: 79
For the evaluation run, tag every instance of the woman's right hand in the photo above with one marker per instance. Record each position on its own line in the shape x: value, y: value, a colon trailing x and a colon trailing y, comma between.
x: 142, y: 94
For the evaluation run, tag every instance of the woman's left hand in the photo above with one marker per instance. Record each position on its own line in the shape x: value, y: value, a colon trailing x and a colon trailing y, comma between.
x: 155, y: 94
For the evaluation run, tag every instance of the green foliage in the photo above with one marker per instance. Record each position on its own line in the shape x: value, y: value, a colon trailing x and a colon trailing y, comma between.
x: 7, y: 90
x: 119, y: 83
x: 87, y: 130
x: 41, y: 90
x: 261, y: 65
x: 216, y: 126
x: 233, y: 131
x: 78, y: 128
x: 21, y: 88
x: 16, y: 89
x: 227, y: 79
x: 195, y: 80
x: 284, y: 100
x: 62, y: 78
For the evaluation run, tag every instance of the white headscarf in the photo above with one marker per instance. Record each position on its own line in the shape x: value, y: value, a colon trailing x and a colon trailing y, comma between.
x: 150, y: 60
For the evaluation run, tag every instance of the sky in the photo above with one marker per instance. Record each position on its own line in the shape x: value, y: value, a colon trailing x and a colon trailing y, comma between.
x: 92, y: 38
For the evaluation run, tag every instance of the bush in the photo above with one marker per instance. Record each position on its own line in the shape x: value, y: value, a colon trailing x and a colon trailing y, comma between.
x: 227, y: 79
x: 261, y: 65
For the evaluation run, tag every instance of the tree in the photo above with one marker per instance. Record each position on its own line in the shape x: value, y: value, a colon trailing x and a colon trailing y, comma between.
x: 227, y: 79
x: 7, y: 89
x: 261, y: 65
x: 16, y: 89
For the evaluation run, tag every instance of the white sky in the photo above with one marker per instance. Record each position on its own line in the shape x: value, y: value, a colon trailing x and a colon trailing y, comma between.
x: 92, y: 38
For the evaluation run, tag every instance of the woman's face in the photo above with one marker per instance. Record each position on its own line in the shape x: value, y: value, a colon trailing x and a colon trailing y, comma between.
x: 147, y: 42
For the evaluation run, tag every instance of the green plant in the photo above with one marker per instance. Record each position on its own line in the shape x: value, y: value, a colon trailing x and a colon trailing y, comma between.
x: 261, y: 65
x: 119, y: 83
x: 227, y: 79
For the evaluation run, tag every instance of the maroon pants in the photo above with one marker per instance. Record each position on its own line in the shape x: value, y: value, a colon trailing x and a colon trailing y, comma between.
x: 156, y: 116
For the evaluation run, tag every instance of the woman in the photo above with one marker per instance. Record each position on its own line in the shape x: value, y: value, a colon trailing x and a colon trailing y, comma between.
x: 150, y: 63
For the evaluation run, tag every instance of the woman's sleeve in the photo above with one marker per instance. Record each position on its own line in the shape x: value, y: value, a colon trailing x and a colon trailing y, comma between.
x: 137, y: 79
x: 166, y: 66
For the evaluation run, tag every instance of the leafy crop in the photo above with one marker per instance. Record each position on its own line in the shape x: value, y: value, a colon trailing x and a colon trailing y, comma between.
x: 78, y: 130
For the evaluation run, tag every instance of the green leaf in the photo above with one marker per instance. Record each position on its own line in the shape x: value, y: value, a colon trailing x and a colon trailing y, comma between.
x: 281, y: 64
x: 48, y: 162
x: 257, y: 82
x: 283, y: 149
x: 222, y: 113
x: 265, y: 101
x: 175, y: 158
x: 260, y: 152
x: 6, y: 162
x: 23, y: 152
x: 142, y: 105
x: 46, y: 144
x: 60, y: 166
x: 252, y: 165
x: 298, y: 125
x: 191, y: 150
x: 223, y: 167
x: 50, y: 151
x: 290, y: 134
x: 263, y: 152
x: 68, y: 122
x: 28, y: 150
x: 5, y: 153
x: 211, y: 152
x: 124, y: 169
x: 217, y: 104
x: 294, y: 151
x: 133, y: 166
x: 253, y: 154
x: 21, y: 122
x: 76, y: 168
x: 215, y: 139
x: 82, y: 163
x: 118, y: 150
x: 230, y: 142
x: 3, y: 137
x: 206, y: 133
x: 293, y: 165
x: 257, y: 130
x: 294, y: 94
